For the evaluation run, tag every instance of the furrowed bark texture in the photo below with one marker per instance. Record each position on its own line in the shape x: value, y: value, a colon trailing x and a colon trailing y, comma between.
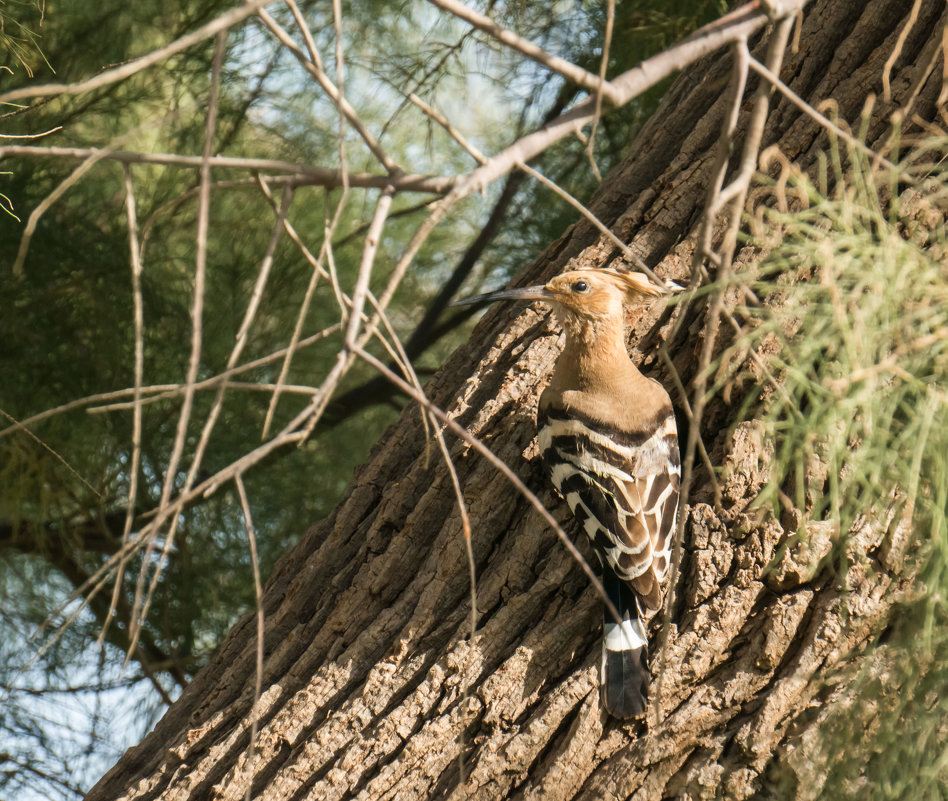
x: 373, y: 688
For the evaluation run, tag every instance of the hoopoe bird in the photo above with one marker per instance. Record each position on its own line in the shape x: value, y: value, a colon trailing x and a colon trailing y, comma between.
x: 609, y: 445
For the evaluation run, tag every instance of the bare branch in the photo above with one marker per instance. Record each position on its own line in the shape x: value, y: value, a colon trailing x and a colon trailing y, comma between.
x: 330, y: 89
x: 716, y: 200
x: 365, y: 267
x: 300, y: 174
x: 631, y: 257
x: 31, y: 136
x: 603, y: 64
x: 258, y: 598
x: 565, y: 68
x: 139, y: 322
x: 141, y: 604
x: 453, y: 132
x: 221, y: 23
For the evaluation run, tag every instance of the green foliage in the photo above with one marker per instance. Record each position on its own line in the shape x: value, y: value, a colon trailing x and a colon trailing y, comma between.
x: 20, y: 22
x: 861, y: 348
x: 852, y: 333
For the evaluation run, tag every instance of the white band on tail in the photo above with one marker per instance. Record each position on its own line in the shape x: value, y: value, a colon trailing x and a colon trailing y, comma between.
x: 628, y: 636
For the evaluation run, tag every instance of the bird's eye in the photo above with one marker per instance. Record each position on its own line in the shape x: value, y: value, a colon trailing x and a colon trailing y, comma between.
x: 580, y: 286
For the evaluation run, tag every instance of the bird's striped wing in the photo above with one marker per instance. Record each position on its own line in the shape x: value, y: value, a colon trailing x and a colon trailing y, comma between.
x: 622, y: 486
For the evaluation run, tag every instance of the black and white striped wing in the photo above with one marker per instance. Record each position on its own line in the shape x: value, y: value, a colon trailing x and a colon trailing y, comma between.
x: 622, y: 486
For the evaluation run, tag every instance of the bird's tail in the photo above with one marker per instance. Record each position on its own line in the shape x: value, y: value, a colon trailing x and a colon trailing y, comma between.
x: 624, y: 680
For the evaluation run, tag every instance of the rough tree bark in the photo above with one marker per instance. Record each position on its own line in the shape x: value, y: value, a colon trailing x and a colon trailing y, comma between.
x: 372, y: 687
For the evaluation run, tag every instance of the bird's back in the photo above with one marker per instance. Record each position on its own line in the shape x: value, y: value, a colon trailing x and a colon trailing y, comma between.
x: 618, y: 471
x: 613, y: 457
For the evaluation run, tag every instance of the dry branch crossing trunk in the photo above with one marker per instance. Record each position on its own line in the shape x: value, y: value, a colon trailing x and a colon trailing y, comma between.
x: 373, y: 688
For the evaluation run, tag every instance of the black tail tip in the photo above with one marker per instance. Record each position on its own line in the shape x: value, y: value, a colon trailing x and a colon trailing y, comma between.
x: 625, y: 683
x: 624, y: 705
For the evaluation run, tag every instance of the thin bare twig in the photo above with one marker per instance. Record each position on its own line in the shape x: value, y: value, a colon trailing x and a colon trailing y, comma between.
x: 72, y: 179
x: 631, y: 257
x: 330, y: 89
x: 31, y: 136
x: 22, y: 426
x: 172, y: 390
x: 212, y: 28
x: 341, y: 78
x: 445, y: 123
x: 139, y: 323
x: 897, y: 50
x: 307, y: 34
x: 142, y: 604
x: 345, y: 358
x: 565, y: 68
x: 258, y: 598
x: 365, y: 267
x: 717, y: 199
x: 603, y: 64
x: 300, y: 174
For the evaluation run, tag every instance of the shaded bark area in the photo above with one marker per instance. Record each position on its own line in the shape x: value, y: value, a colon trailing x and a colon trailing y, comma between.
x: 373, y: 687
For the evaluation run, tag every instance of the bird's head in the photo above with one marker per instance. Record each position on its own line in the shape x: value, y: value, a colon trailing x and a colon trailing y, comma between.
x: 584, y: 294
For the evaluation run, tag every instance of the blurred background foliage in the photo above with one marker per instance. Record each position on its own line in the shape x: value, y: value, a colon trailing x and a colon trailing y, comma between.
x: 66, y: 332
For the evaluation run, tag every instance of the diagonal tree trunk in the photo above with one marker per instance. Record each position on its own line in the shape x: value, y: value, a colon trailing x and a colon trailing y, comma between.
x: 372, y: 685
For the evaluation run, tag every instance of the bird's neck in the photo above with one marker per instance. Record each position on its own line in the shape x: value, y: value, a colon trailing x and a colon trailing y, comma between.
x: 594, y: 357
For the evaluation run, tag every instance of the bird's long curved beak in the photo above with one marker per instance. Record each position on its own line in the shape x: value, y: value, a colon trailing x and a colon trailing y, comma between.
x: 521, y: 293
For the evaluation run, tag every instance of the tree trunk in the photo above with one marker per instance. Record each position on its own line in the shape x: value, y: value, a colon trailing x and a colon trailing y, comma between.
x: 372, y: 685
